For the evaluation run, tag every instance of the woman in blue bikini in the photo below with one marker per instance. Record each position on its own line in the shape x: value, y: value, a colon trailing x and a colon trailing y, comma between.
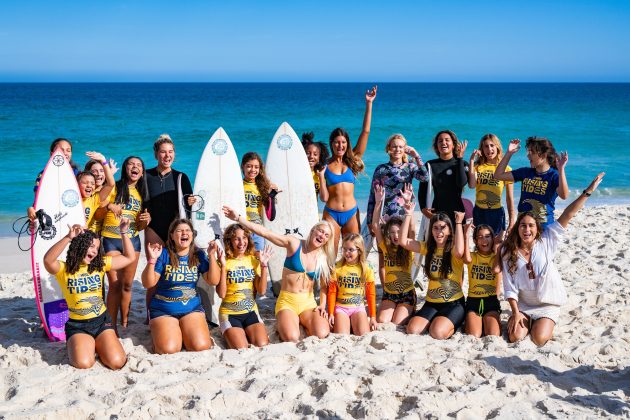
x: 337, y: 178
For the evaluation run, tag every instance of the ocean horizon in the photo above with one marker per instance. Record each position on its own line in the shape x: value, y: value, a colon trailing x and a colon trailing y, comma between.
x: 589, y: 120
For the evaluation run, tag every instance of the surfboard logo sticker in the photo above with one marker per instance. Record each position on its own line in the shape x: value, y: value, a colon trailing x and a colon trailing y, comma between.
x: 284, y: 142
x: 70, y: 198
x: 59, y: 160
x: 219, y: 147
x: 48, y: 233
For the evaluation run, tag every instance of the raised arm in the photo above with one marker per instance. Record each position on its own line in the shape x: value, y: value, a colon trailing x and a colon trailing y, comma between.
x: 285, y: 241
x: 579, y: 202
x: 500, y: 173
x: 472, y: 174
x: 109, y: 176
x: 467, y: 258
x: 323, y: 187
x: 51, y: 264
x: 265, y: 256
x: 359, y: 148
x: 149, y: 276
x: 509, y: 200
x: 379, y: 196
x: 403, y: 240
x: 563, y: 187
x: 458, y: 243
x: 217, y: 273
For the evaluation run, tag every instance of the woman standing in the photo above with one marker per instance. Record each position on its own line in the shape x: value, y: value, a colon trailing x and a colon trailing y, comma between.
x: 338, y: 177
x: 533, y: 287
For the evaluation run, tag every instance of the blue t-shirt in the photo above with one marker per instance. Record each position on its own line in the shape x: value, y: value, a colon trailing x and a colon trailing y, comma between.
x: 538, y: 192
x: 176, y: 292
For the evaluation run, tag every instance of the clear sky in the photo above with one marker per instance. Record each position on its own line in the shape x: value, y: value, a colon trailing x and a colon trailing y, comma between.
x: 433, y: 41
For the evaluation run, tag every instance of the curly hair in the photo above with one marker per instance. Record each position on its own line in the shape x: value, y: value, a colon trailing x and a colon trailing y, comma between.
x: 193, y: 258
x: 445, y: 268
x: 540, y: 146
x: 509, y: 248
x: 400, y: 254
x: 456, y: 143
x: 261, y: 180
x: 230, y: 233
x: 78, y: 250
x: 355, y: 164
x: 307, y: 140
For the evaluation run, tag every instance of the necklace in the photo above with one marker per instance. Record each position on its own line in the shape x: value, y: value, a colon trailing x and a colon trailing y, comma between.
x: 163, y: 177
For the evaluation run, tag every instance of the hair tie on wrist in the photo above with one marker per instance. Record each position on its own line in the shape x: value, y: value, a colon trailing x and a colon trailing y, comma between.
x: 105, y: 163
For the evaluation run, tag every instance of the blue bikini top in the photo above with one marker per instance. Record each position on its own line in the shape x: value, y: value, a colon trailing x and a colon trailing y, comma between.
x: 294, y: 263
x: 334, y: 179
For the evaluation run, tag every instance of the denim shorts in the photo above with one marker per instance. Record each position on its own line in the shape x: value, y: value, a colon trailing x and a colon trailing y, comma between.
x: 115, y: 244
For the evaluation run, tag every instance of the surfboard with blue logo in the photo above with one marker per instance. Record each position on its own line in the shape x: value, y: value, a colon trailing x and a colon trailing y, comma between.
x: 58, y: 202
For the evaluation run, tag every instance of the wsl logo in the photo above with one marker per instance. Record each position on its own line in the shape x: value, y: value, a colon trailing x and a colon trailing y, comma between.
x: 284, y: 142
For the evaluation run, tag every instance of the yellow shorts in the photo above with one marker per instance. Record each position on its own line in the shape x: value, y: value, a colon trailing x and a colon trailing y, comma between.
x: 296, y: 302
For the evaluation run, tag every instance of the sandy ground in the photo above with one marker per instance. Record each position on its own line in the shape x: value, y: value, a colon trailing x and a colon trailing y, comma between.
x: 583, y: 372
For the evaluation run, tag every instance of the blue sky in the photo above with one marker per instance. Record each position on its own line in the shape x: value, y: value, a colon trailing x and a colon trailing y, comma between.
x: 366, y: 40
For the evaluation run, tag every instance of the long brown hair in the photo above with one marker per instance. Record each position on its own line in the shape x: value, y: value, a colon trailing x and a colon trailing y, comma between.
x: 261, y: 180
x: 482, y: 159
x: 509, y: 248
x: 355, y: 164
x: 456, y: 144
x: 230, y: 233
x: 446, y: 268
x: 400, y: 254
x: 193, y: 258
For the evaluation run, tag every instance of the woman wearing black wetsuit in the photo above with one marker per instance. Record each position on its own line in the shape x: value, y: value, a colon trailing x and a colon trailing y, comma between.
x: 449, y: 176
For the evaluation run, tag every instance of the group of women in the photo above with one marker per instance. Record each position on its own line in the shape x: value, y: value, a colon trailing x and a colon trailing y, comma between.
x: 237, y: 267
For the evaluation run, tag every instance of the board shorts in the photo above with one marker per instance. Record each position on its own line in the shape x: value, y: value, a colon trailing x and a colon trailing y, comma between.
x: 227, y: 321
x: 115, y: 244
x: 295, y: 302
x: 92, y: 327
x: 483, y: 305
x: 156, y: 313
x: 350, y: 310
x: 259, y: 242
x: 454, y: 311
x: 495, y: 218
x: 341, y: 217
x: 405, y: 298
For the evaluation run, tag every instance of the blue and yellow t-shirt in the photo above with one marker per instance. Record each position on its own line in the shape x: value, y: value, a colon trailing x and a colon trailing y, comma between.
x: 90, y: 205
x: 440, y: 289
x: 397, y: 273
x: 130, y: 210
x: 351, y: 285
x: 239, y: 296
x: 488, y: 190
x: 482, y: 281
x: 253, y: 202
x: 538, y: 192
x: 83, y: 291
x: 176, y: 289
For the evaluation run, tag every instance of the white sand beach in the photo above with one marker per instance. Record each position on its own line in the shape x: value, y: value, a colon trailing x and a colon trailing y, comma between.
x: 584, y: 372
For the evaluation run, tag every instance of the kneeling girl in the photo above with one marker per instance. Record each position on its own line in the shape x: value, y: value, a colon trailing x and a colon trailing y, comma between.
x: 175, y: 311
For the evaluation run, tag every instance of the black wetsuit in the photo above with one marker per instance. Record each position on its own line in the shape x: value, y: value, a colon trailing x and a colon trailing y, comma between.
x: 448, y: 178
x: 163, y: 202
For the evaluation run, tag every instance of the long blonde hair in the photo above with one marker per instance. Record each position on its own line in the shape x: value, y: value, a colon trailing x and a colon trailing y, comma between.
x: 357, y: 240
x: 325, y: 262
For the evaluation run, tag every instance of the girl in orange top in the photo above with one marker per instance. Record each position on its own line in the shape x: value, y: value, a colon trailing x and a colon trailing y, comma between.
x: 353, y: 281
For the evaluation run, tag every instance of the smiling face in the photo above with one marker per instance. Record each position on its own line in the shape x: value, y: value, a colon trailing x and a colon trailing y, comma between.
x: 92, y: 251
x: 339, y: 146
x: 440, y: 232
x: 99, y: 174
x: 312, y: 154
x: 182, y: 237
x: 527, y: 230
x: 134, y: 169
x: 536, y: 159
x: 484, y: 241
x: 320, y: 234
x: 87, y: 185
x: 445, y: 145
x: 396, y: 149
x: 394, y: 234
x: 239, y: 242
x: 350, y: 252
x: 165, y: 155
x: 66, y: 149
x: 251, y: 169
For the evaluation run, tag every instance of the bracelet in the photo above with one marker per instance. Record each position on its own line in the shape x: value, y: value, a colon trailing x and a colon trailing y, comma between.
x: 586, y: 193
x: 151, y: 262
x: 124, y: 233
x: 408, y: 215
x: 264, y: 265
x: 458, y: 223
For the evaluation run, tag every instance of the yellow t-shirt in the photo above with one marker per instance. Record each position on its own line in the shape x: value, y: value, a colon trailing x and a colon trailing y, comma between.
x: 443, y: 290
x: 130, y: 210
x: 489, y: 190
x: 253, y: 202
x: 482, y: 281
x: 350, y: 285
x: 83, y: 291
x: 239, y: 296
x: 316, y: 181
x: 397, y: 273
x: 90, y: 205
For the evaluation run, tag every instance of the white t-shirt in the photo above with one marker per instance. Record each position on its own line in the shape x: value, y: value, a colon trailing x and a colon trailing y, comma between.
x: 542, y: 260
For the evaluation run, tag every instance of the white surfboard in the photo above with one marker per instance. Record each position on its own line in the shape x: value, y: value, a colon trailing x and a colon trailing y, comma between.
x: 296, y: 205
x: 423, y: 229
x: 218, y: 183
x: 59, y: 201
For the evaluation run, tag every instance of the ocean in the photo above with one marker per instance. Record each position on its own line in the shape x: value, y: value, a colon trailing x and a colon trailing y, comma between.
x: 591, y: 121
